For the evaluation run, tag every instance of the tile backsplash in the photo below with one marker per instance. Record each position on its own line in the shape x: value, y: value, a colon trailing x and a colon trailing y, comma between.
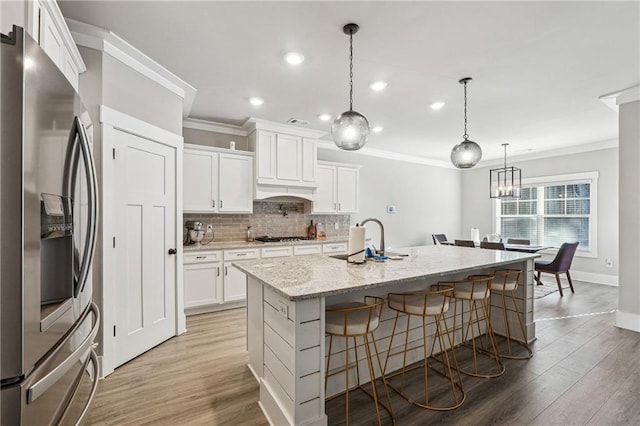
x: 272, y: 218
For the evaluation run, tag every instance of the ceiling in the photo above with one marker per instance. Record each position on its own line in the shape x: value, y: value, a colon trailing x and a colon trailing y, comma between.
x: 538, y: 68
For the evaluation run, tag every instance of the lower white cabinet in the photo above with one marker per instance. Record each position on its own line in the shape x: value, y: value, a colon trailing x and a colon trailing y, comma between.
x: 235, y: 283
x: 202, y: 279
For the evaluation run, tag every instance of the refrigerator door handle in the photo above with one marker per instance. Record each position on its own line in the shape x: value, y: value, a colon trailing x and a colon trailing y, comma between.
x: 41, y: 386
x: 93, y: 359
x: 92, y: 201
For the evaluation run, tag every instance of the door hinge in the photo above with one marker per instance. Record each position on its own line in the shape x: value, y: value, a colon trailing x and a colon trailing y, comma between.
x: 114, y: 331
x: 114, y: 242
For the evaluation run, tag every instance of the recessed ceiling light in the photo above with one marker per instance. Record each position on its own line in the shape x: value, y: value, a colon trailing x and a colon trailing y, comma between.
x: 377, y: 129
x: 294, y: 58
x: 378, y: 85
x: 325, y: 117
x: 256, y: 101
x: 437, y: 105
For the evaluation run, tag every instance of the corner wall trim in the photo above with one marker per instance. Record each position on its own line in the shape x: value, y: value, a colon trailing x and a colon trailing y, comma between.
x: 628, y: 321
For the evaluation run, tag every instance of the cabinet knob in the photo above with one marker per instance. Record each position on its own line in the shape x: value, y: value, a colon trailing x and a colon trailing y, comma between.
x: 173, y: 251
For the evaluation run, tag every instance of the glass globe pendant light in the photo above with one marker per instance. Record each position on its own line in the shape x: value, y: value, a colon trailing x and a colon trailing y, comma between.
x: 467, y: 153
x: 350, y: 129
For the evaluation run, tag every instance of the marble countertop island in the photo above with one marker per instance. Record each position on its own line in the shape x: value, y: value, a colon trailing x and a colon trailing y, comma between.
x: 306, y: 277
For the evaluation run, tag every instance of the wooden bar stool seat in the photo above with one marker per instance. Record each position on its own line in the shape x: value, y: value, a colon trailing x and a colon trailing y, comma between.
x: 427, y: 304
x: 351, y: 320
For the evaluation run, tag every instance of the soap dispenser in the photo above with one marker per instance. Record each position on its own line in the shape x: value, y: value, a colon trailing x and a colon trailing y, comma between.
x: 249, y: 235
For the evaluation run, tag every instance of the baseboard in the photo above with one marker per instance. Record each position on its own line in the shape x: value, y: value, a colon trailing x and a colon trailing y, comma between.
x: 628, y: 321
x: 591, y: 277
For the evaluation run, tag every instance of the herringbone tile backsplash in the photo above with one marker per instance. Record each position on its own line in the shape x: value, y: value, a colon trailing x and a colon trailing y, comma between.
x: 270, y: 218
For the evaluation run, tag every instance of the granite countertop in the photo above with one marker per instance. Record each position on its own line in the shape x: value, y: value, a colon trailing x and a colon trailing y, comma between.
x: 306, y: 277
x: 228, y: 245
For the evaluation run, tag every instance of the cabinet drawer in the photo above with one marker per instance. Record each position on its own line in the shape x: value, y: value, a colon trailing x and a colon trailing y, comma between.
x: 202, y: 257
x: 277, y: 251
x: 241, y: 254
x: 334, y: 248
x: 300, y: 250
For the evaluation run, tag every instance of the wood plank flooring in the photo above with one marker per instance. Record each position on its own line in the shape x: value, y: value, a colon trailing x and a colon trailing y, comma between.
x: 584, y: 371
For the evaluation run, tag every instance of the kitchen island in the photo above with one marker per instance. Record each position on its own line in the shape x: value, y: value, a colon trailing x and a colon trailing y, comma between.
x: 286, y: 299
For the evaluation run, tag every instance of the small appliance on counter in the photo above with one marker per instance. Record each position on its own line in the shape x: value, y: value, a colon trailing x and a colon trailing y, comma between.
x: 195, y: 233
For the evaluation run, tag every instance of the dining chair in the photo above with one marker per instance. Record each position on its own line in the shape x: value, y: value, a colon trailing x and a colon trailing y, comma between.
x: 438, y: 238
x: 519, y: 241
x: 559, y: 265
x: 464, y: 243
x: 492, y: 246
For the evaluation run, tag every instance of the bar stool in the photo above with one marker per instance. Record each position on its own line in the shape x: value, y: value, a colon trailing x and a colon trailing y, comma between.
x: 434, y: 304
x: 476, y: 291
x: 351, y: 320
x: 506, y: 281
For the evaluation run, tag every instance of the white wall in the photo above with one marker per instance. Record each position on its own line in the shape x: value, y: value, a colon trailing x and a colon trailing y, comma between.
x: 427, y: 198
x: 477, y: 206
x: 12, y: 12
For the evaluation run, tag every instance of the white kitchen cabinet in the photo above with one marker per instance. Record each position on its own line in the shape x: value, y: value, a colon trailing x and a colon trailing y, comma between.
x: 281, y: 251
x: 235, y: 281
x: 338, y: 188
x: 217, y: 181
x: 202, y: 280
x: 47, y: 26
x: 333, y: 248
x: 304, y: 250
x: 285, y: 164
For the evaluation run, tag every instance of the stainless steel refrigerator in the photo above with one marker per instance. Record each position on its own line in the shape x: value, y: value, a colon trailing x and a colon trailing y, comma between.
x: 48, y: 222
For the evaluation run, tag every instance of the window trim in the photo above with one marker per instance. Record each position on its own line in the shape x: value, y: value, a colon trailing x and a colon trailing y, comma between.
x: 566, y: 179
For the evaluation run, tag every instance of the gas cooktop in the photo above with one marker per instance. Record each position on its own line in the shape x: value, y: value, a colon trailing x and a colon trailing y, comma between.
x: 267, y: 239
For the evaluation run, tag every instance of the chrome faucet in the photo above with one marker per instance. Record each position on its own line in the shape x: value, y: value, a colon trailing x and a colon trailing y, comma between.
x: 381, y: 250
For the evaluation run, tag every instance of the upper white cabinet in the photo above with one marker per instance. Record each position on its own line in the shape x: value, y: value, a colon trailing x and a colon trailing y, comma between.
x: 286, y: 159
x: 338, y: 188
x: 47, y: 26
x: 217, y: 180
x: 282, y: 159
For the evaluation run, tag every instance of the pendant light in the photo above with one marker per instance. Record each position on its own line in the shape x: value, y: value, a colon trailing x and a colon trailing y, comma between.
x: 467, y: 153
x: 505, y: 182
x: 350, y: 129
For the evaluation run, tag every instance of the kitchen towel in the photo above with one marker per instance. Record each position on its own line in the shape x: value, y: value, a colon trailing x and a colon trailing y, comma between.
x: 356, y: 244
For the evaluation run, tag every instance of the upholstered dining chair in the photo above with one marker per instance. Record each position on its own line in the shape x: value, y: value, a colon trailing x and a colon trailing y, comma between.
x: 438, y: 238
x: 464, y: 243
x: 519, y: 241
x: 560, y: 265
x: 492, y: 246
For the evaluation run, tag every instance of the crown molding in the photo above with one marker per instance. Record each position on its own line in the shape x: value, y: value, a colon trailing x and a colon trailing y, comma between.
x: 97, y: 38
x: 252, y: 124
x: 574, y: 149
x: 619, y: 97
x: 388, y: 155
x: 212, y: 126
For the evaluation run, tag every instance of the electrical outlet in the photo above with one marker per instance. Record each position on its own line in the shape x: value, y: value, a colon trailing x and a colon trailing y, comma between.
x: 336, y: 225
x: 608, y: 263
x: 283, y: 309
x: 209, y: 228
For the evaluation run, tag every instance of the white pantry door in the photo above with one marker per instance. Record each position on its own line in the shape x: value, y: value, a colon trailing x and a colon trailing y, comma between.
x: 145, y: 274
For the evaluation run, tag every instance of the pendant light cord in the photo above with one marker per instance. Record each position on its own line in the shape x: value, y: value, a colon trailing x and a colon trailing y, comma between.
x: 351, y: 70
x: 465, y: 136
x: 505, y: 155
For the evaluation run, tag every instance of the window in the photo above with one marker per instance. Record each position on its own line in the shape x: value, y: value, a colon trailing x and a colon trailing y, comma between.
x: 552, y: 210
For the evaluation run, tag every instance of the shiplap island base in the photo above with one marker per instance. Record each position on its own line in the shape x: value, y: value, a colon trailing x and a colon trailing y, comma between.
x: 286, y: 299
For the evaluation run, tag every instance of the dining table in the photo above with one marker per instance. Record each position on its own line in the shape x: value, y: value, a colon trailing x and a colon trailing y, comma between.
x: 525, y: 248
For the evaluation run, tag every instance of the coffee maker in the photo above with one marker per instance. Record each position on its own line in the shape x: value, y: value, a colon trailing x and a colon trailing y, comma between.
x: 195, y: 233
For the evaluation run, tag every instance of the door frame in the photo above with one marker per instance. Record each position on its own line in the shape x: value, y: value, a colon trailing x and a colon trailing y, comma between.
x: 112, y: 120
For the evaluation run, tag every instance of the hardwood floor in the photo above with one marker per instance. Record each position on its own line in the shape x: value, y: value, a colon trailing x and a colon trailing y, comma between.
x: 584, y: 371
